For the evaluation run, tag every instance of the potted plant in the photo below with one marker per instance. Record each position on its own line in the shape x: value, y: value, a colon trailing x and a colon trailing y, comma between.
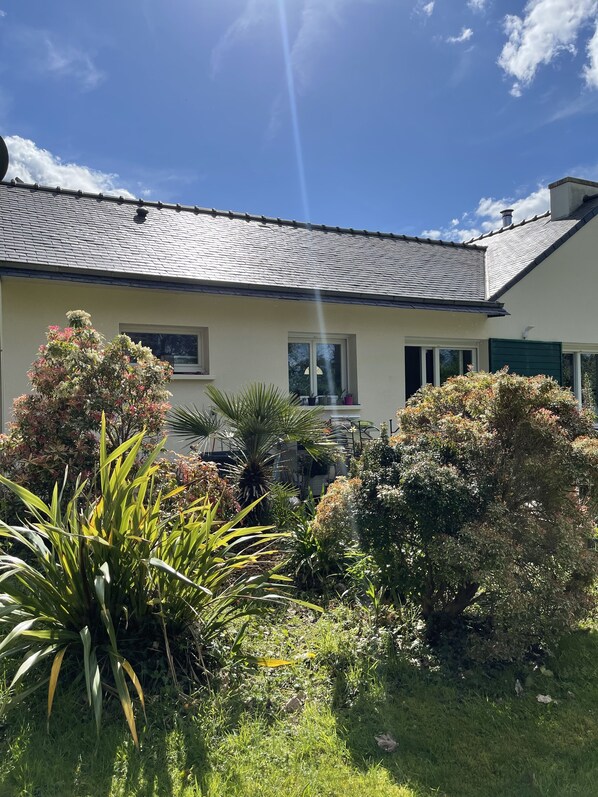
x: 331, y: 400
x: 347, y: 398
x: 311, y: 400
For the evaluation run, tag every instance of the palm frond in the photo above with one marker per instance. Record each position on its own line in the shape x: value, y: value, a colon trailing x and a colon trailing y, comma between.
x: 193, y: 423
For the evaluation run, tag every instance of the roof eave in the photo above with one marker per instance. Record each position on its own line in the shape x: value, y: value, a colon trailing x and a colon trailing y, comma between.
x: 490, y: 308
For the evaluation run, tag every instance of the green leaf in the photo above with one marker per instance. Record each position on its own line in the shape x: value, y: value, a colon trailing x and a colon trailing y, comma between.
x: 54, y: 673
x: 125, y: 697
x: 166, y: 568
x: 26, y: 496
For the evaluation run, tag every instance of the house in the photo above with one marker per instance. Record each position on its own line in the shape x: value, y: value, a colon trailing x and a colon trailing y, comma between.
x: 233, y: 298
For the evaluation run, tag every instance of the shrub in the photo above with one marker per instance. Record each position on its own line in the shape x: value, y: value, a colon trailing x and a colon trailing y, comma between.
x: 200, y: 480
x: 482, y: 510
x: 118, y: 582
x: 76, y: 377
x: 322, y: 538
x: 334, y: 521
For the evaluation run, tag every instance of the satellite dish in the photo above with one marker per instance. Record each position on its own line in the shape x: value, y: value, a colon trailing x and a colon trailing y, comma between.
x: 3, y: 158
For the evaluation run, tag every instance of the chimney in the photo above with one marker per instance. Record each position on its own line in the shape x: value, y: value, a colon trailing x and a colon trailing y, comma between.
x: 507, y: 217
x: 568, y: 194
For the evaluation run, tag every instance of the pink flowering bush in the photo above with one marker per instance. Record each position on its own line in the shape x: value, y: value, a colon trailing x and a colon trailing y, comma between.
x: 76, y: 377
x: 200, y: 480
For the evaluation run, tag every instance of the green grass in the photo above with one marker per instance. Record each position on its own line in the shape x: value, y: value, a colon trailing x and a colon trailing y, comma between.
x: 460, y: 736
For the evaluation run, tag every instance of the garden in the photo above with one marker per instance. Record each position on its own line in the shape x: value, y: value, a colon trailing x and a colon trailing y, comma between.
x: 427, y: 626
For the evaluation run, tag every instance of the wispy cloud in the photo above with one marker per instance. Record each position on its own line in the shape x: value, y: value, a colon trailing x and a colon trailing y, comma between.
x: 546, y: 29
x: 2, y: 13
x: 487, y: 216
x: 68, y: 61
x: 318, y: 21
x: 464, y: 36
x: 477, y: 5
x: 425, y: 8
x: 32, y: 164
x: 46, y: 55
x: 254, y: 13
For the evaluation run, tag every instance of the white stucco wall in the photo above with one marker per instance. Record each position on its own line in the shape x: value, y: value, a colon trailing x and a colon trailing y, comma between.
x: 247, y: 337
x: 559, y: 298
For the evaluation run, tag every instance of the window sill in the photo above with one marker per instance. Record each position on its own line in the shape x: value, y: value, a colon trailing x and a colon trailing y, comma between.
x: 192, y: 378
x: 343, y: 408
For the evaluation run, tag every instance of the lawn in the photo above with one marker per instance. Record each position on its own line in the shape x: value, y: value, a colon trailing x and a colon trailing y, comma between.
x: 460, y: 735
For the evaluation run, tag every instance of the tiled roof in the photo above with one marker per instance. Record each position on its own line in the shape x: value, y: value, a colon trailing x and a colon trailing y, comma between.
x: 513, y: 251
x: 78, y: 233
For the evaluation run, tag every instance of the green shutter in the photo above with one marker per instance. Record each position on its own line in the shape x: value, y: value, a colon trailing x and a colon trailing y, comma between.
x: 527, y: 357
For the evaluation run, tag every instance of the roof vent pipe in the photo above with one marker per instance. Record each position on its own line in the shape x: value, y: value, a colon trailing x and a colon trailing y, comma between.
x: 507, y: 217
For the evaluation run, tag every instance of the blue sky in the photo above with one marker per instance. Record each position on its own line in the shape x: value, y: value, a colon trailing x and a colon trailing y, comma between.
x: 407, y: 115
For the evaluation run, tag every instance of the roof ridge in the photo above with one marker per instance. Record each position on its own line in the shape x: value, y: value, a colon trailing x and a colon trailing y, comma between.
x: 509, y: 227
x: 121, y: 200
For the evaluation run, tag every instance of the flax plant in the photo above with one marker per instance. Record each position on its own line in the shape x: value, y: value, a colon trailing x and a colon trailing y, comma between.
x: 97, y: 585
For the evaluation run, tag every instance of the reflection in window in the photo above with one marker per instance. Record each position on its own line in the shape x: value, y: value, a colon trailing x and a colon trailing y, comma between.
x: 580, y: 374
x: 182, y: 350
x: 329, y: 373
x: 318, y: 369
x: 434, y: 365
x: 299, y: 377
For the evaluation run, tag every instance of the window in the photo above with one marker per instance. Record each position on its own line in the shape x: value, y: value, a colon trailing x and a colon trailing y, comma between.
x: 318, y: 368
x: 430, y: 364
x: 580, y: 373
x: 182, y: 347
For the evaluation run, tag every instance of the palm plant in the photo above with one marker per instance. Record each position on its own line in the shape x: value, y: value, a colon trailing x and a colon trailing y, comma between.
x: 256, y: 424
x: 109, y: 581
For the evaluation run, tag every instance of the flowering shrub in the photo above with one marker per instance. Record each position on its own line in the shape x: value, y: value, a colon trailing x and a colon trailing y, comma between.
x: 201, y: 480
x: 334, y: 523
x: 482, y: 509
x: 76, y: 377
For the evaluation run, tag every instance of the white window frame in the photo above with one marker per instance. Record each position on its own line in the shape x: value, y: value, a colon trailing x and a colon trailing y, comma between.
x: 577, y: 349
x: 435, y: 345
x: 199, y: 368
x: 312, y: 341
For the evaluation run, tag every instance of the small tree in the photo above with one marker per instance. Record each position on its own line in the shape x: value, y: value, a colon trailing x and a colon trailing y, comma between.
x: 483, y: 509
x: 76, y: 377
x: 257, y: 424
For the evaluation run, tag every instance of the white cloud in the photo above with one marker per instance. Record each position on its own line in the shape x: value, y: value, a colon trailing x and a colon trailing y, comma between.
x: 464, y: 36
x: 590, y: 71
x: 477, y: 5
x: 546, y: 29
x: 486, y: 216
x: 2, y: 13
x: 35, y: 165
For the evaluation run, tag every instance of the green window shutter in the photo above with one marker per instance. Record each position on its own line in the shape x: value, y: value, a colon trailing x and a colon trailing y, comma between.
x: 527, y: 357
